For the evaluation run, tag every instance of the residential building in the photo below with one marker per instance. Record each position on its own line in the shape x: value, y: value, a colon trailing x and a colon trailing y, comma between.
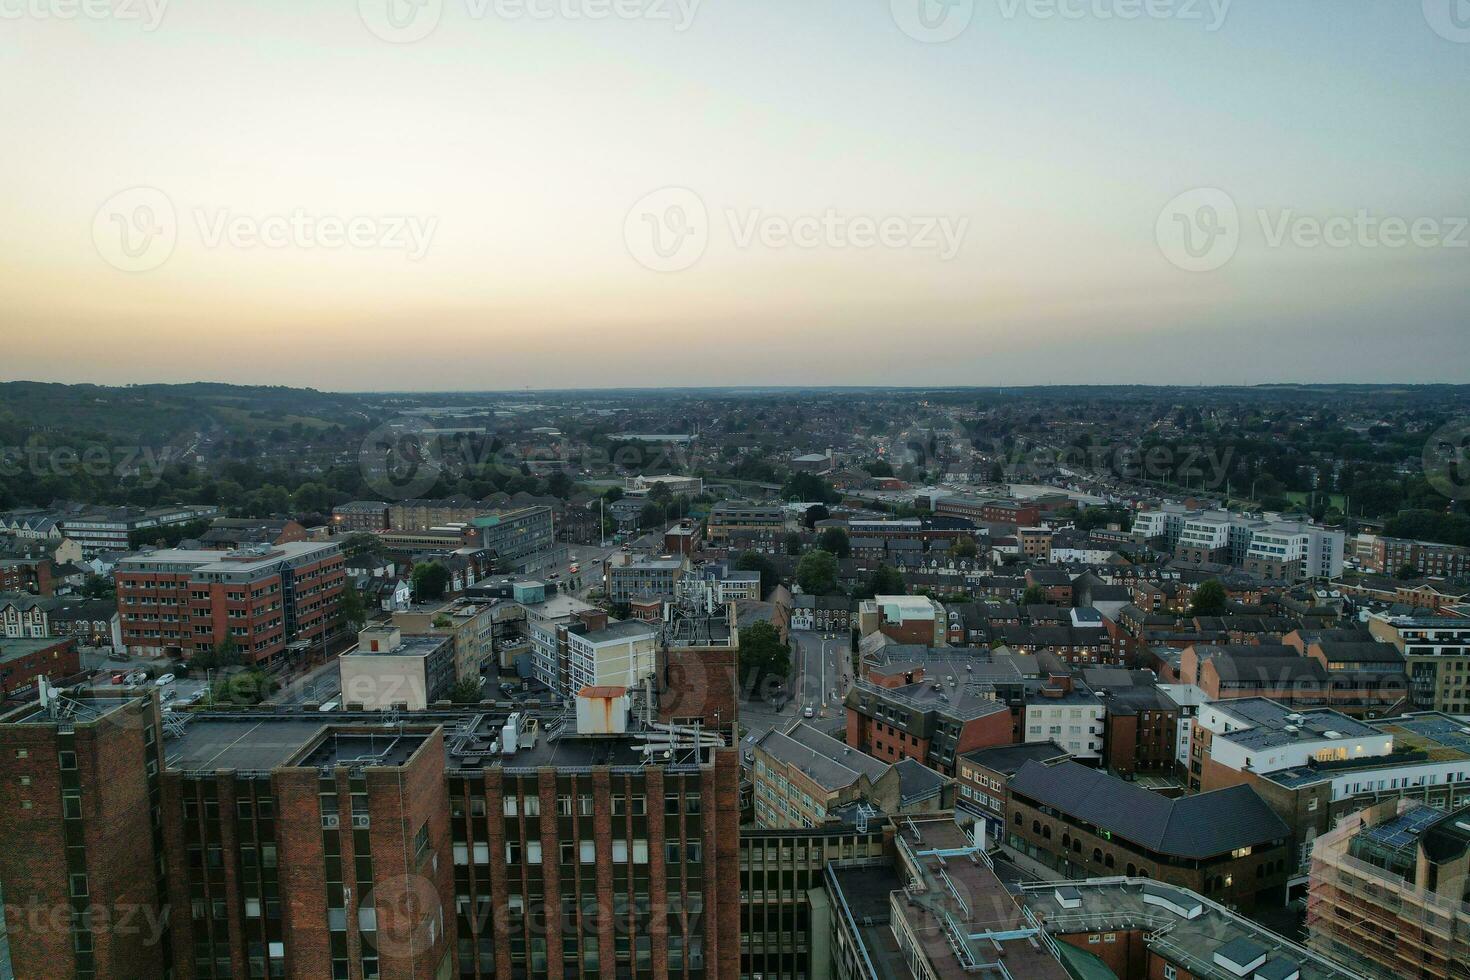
x: 178, y: 602
x: 89, y: 621
x: 230, y: 533
x: 1228, y: 844
x: 1390, y: 556
x: 823, y: 613
x: 1436, y: 655
x: 931, y: 720
x: 367, y: 516
x: 1064, y: 711
x: 1388, y: 891
x: 1315, y: 767
x: 33, y: 575
x: 523, y: 539
x: 984, y: 774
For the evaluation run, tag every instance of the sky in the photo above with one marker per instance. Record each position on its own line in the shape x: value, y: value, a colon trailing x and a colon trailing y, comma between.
x: 498, y: 194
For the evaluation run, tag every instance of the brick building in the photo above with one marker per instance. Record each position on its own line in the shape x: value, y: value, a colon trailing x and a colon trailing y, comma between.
x: 454, y: 844
x: 178, y: 602
x: 1228, y: 844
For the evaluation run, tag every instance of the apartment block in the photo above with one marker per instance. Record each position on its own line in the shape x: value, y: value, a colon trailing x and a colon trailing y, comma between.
x: 1388, y: 891
x: 1436, y: 656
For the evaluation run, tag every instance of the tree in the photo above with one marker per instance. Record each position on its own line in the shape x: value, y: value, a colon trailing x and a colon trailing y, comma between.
x: 834, y: 540
x: 660, y: 492
x: 809, y: 487
x: 312, y: 498
x: 613, y: 494
x: 651, y: 515
x: 1208, y: 600
x: 560, y: 485
x: 243, y: 688
x: 793, y: 543
x: 360, y: 544
x: 814, y: 513
x: 1035, y: 595
x: 965, y: 547
x: 754, y: 561
x: 466, y: 691
x: 354, y: 613
x: 880, y: 468
x: 884, y: 580
x: 762, y: 655
x: 1407, y: 572
x: 816, y: 573
x: 429, y: 581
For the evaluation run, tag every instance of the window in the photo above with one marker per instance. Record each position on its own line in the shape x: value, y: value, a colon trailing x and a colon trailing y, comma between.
x: 510, y: 806
x: 588, y: 852
x: 533, y: 852
x: 531, y: 805
x: 68, y: 760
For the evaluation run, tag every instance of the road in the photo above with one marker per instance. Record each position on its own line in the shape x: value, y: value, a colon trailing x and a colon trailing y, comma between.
x: 821, y: 675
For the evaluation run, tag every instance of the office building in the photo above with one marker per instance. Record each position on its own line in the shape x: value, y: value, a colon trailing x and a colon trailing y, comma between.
x: 178, y: 602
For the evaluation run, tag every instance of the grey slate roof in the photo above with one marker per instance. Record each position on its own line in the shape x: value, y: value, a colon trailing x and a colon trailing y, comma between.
x: 1200, y: 826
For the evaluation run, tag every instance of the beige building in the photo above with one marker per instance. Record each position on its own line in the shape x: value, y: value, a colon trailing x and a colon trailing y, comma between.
x: 469, y: 621
x: 390, y: 671
x: 1389, y: 889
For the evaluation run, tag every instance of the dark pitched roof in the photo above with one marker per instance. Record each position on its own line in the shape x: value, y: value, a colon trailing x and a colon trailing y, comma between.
x: 1200, y: 826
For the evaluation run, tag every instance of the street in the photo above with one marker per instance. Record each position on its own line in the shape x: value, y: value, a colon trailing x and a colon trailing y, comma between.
x: 821, y: 673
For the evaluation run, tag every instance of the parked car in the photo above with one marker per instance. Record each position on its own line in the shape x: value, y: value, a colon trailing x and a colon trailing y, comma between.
x: 165, y: 680
x: 808, y: 713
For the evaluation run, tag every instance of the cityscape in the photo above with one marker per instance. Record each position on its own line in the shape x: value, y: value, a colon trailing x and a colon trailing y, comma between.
x: 810, y: 683
x: 676, y: 490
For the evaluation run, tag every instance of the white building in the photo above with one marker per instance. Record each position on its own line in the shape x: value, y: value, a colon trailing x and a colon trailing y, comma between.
x: 619, y: 655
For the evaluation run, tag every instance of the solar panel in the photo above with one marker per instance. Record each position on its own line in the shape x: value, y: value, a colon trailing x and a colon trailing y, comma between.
x: 1404, y: 830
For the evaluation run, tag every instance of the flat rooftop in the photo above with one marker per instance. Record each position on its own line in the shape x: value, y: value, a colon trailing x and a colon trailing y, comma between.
x: 1274, y: 724
x: 261, y: 741
x: 211, y: 561
x: 1117, y: 904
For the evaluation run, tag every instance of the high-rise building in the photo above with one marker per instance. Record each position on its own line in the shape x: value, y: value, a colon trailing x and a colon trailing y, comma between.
x: 473, y: 843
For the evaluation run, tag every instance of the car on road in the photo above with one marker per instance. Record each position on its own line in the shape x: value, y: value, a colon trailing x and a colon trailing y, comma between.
x: 808, y: 713
x: 165, y: 680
